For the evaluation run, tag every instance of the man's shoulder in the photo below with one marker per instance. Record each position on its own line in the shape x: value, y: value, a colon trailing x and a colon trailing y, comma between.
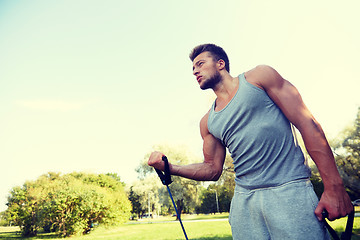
x: 260, y: 70
x: 262, y: 75
x: 205, y: 118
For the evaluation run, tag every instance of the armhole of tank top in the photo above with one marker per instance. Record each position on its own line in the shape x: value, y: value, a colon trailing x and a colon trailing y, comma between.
x: 242, y: 78
x: 211, y: 112
x: 293, y: 130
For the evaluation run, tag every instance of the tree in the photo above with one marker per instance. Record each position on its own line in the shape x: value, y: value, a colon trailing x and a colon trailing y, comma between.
x: 347, y: 150
x: 135, y: 202
x: 4, y: 219
x: 147, y: 194
x: 209, y: 200
x: 24, y: 210
x: 68, y: 204
x: 185, y: 193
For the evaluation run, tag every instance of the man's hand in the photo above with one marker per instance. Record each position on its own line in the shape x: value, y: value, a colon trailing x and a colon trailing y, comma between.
x: 156, y: 161
x: 336, y: 203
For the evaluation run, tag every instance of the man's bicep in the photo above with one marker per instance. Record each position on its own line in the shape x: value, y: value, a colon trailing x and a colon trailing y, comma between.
x: 214, y: 155
x: 213, y: 149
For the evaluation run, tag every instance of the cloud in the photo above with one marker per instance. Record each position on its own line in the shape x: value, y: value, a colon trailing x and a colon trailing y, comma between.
x: 52, y: 105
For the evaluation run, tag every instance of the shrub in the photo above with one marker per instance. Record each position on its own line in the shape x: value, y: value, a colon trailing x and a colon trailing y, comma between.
x: 69, y: 205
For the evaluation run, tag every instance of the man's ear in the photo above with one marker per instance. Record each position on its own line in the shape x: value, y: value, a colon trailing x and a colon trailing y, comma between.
x: 221, y: 64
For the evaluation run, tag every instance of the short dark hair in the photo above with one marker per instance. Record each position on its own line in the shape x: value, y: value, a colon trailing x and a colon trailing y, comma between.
x: 216, y: 52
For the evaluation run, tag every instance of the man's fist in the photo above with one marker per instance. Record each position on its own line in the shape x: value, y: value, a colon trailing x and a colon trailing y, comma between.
x: 156, y: 161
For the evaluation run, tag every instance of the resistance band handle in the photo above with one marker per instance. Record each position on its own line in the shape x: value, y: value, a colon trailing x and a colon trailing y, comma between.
x: 348, y: 230
x: 164, y: 177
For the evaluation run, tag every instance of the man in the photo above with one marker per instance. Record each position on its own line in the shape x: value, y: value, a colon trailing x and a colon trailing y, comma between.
x: 252, y: 117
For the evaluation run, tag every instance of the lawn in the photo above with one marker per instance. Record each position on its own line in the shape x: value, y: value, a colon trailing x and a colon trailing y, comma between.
x: 217, y: 227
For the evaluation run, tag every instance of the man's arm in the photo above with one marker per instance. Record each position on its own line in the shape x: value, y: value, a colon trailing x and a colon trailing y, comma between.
x: 209, y: 170
x: 334, y: 199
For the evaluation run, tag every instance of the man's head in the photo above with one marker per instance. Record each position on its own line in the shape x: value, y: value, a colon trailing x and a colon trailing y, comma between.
x: 215, y: 51
x: 210, y: 65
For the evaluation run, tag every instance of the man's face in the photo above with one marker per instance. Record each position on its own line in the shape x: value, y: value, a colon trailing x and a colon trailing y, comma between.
x: 205, y: 71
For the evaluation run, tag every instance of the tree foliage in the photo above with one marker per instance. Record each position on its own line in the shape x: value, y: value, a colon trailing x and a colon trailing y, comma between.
x: 68, y: 204
x: 347, y: 151
x: 136, y: 207
x: 145, y: 194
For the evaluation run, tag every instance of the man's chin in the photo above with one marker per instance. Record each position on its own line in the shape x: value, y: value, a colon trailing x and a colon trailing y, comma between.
x: 204, y: 87
x: 211, y: 82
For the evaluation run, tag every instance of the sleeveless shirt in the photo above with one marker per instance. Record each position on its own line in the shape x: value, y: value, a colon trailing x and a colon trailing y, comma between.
x: 259, y: 139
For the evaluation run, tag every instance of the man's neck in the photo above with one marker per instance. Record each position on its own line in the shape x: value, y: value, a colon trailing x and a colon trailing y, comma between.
x: 225, y: 91
x: 226, y: 87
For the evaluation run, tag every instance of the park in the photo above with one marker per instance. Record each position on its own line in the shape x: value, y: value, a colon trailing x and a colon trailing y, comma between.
x: 91, y: 89
x: 88, y: 205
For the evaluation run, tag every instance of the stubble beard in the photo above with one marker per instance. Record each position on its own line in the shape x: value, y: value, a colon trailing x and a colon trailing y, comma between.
x: 211, y: 82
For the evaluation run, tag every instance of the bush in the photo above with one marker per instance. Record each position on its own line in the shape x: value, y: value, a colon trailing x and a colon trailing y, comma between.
x: 69, y: 205
x: 4, y: 220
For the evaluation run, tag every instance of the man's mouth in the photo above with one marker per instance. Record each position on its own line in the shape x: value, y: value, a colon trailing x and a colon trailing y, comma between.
x: 198, y: 78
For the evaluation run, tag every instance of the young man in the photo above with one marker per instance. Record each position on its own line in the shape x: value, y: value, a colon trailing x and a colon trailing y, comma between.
x: 252, y: 117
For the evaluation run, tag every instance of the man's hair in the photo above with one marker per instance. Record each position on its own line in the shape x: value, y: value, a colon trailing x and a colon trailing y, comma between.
x: 216, y: 52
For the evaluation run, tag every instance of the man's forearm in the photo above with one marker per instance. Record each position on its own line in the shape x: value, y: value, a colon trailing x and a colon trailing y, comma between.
x: 327, y: 169
x: 320, y: 151
x: 197, y: 171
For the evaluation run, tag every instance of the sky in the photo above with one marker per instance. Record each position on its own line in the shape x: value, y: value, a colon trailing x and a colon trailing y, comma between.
x: 92, y: 86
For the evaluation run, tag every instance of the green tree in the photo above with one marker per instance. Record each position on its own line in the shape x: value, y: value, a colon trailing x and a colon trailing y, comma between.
x: 210, y: 200
x: 68, y: 204
x: 4, y: 219
x: 135, y: 202
x: 24, y: 210
x: 147, y: 192
x: 347, y: 155
x: 185, y: 193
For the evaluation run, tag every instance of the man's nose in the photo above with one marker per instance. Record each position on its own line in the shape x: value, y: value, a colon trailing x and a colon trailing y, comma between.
x: 195, y: 71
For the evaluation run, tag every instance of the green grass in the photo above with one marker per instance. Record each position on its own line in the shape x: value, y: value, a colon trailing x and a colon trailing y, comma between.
x: 340, y: 224
x: 166, y: 228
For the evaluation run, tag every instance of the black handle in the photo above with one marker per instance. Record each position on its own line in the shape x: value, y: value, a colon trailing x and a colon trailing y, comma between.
x: 164, y: 177
x: 349, y: 226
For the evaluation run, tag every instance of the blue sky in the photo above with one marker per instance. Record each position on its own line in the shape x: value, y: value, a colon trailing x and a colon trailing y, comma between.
x: 93, y: 85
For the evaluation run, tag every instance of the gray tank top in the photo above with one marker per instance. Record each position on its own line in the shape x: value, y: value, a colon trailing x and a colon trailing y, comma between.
x: 259, y: 138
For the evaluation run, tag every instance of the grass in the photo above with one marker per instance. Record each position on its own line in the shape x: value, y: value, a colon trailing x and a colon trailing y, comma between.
x: 166, y: 228
x: 340, y: 224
